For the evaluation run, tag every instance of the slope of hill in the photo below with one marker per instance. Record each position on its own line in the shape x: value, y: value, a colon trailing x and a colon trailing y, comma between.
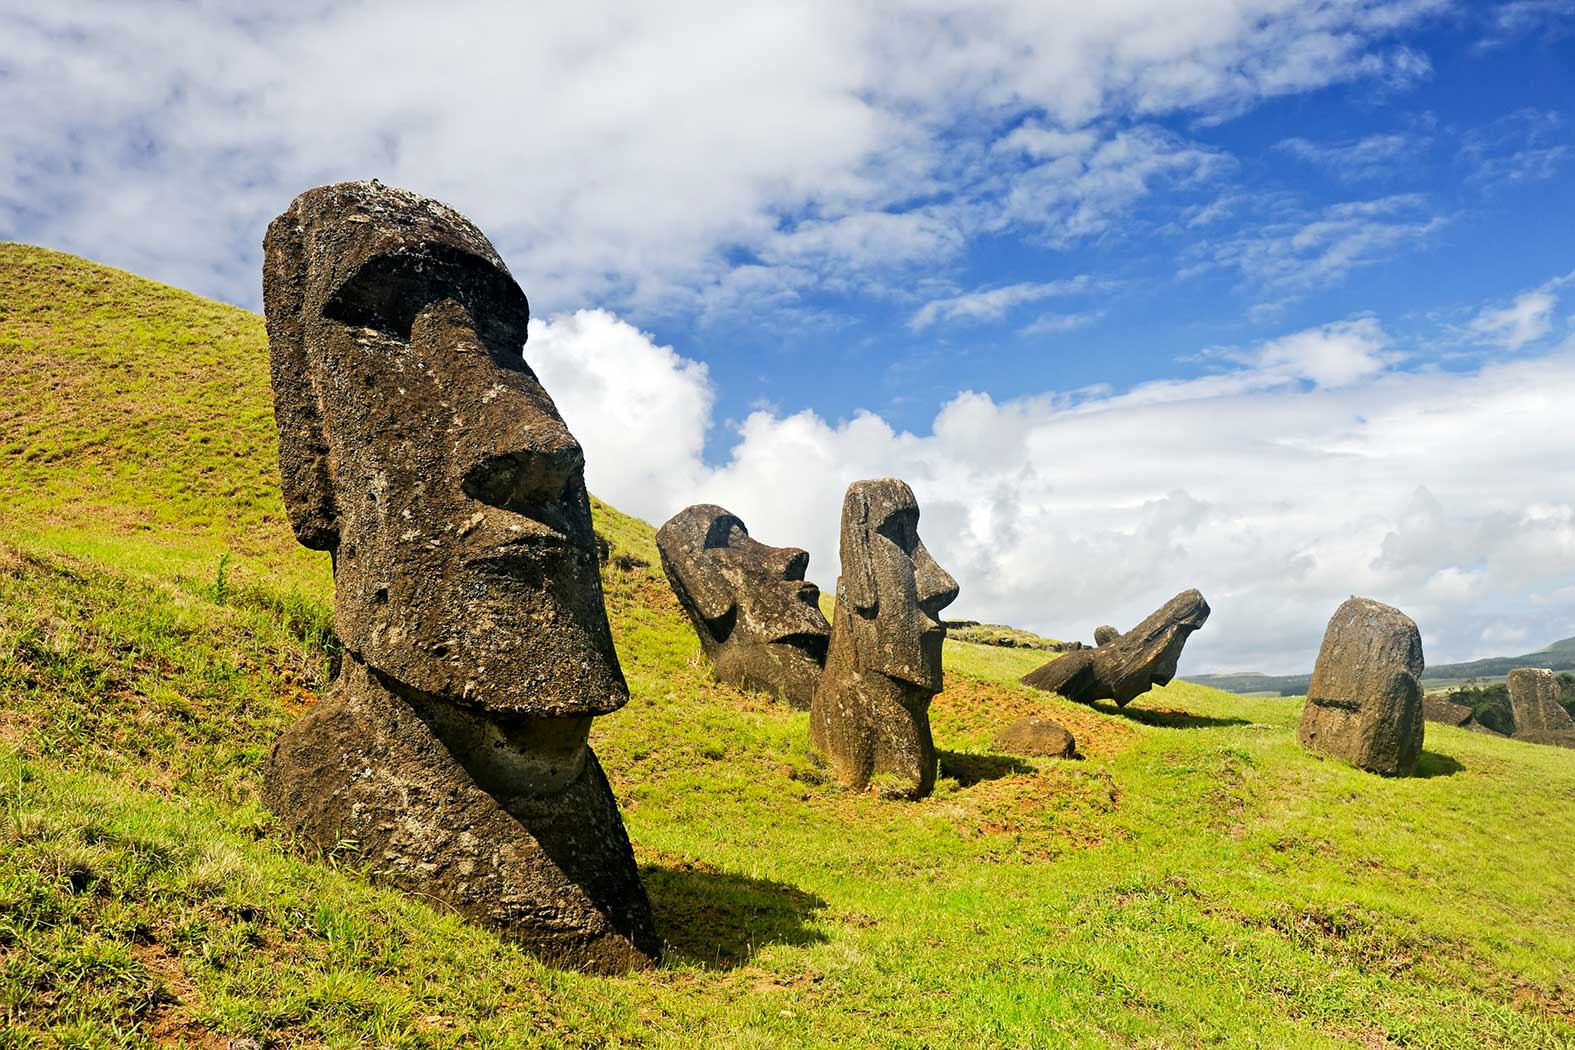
x: 1194, y: 878
x: 1560, y: 656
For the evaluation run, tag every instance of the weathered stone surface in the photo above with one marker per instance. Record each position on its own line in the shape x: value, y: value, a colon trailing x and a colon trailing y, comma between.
x: 1036, y: 736
x: 1129, y: 665
x: 1364, y: 704
x: 758, y: 621
x: 1437, y: 709
x: 420, y: 450
x: 1105, y: 634
x: 1534, y: 703
x: 870, y: 715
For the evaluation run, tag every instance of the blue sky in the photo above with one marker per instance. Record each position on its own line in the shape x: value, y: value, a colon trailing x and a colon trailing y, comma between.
x: 1475, y: 156
x: 1271, y: 298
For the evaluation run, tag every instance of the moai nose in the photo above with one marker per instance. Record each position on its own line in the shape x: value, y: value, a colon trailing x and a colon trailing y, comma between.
x: 529, y: 476
x: 790, y: 562
x: 935, y: 586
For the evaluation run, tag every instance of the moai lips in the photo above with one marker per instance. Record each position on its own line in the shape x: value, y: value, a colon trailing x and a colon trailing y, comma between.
x: 419, y: 449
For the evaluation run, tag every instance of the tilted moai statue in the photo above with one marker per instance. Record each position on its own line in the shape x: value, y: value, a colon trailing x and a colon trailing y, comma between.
x: 871, y: 713
x: 1364, y: 704
x: 418, y: 448
x: 1125, y: 666
x: 759, y: 622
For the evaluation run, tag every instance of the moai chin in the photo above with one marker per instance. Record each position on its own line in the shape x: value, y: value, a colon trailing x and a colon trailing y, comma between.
x: 871, y: 712
x: 418, y: 448
x: 758, y: 620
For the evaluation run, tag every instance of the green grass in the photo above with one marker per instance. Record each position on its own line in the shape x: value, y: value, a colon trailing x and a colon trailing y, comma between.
x: 997, y: 634
x: 1195, y: 878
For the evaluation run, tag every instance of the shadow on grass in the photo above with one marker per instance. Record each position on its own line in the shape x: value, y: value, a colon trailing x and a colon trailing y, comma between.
x: 718, y: 920
x: 1168, y: 717
x: 1433, y: 764
x: 969, y: 770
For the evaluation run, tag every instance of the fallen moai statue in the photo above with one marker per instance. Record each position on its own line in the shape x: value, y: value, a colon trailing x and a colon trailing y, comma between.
x: 1130, y: 664
x: 418, y: 448
x: 1364, y: 704
x: 870, y: 716
x: 1534, y: 704
x: 758, y: 621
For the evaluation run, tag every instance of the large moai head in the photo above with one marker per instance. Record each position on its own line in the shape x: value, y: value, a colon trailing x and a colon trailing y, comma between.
x: 758, y: 620
x: 891, y: 584
x: 419, y: 449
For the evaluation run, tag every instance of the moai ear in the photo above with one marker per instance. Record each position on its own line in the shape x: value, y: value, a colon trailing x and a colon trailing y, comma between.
x: 303, y: 446
x: 857, y: 584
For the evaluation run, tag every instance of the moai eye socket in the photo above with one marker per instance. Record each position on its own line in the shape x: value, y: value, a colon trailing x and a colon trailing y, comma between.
x: 388, y: 292
x: 902, y: 528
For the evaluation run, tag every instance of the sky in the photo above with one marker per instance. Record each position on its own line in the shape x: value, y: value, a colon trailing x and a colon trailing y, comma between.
x: 1274, y: 299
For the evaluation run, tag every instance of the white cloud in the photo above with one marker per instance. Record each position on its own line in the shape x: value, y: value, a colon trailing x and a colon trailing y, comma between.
x: 1553, y: 19
x: 1364, y: 158
x: 992, y: 304
x: 1056, y: 324
x: 1333, y: 356
x: 1077, y: 186
x: 1309, y: 468
x: 1525, y: 320
x: 640, y: 410
x: 1322, y: 249
x: 635, y: 155
x: 1529, y: 145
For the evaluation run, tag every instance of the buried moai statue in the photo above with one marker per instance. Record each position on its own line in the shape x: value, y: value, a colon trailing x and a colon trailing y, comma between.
x: 1534, y: 705
x: 1126, y: 665
x: 417, y: 448
x: 871, y: 713
x: 1364, y: 704
x: 759, y: 622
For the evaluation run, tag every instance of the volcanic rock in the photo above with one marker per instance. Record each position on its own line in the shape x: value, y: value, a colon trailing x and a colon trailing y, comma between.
x: 1036, y: 736
x: 419, y: 449
x: 758, y: 621
x: 1130, y: 664
x: 1364, y: 704
x: 1534, y: 702
x: 870, y: 715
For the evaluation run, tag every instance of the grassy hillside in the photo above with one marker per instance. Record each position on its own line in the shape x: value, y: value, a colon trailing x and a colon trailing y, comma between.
x: 1195, y: 878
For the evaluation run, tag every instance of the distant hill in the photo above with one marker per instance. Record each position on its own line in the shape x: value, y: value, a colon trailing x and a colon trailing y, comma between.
x: 1560, y: 656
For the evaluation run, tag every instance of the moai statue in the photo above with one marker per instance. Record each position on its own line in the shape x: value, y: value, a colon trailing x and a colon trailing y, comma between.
x: 871, y: 713
x: 1125, y: 666
x: 418, y: 448
x: 759, y: 622
x: 1534, y: 704
x: 1364, y: 704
